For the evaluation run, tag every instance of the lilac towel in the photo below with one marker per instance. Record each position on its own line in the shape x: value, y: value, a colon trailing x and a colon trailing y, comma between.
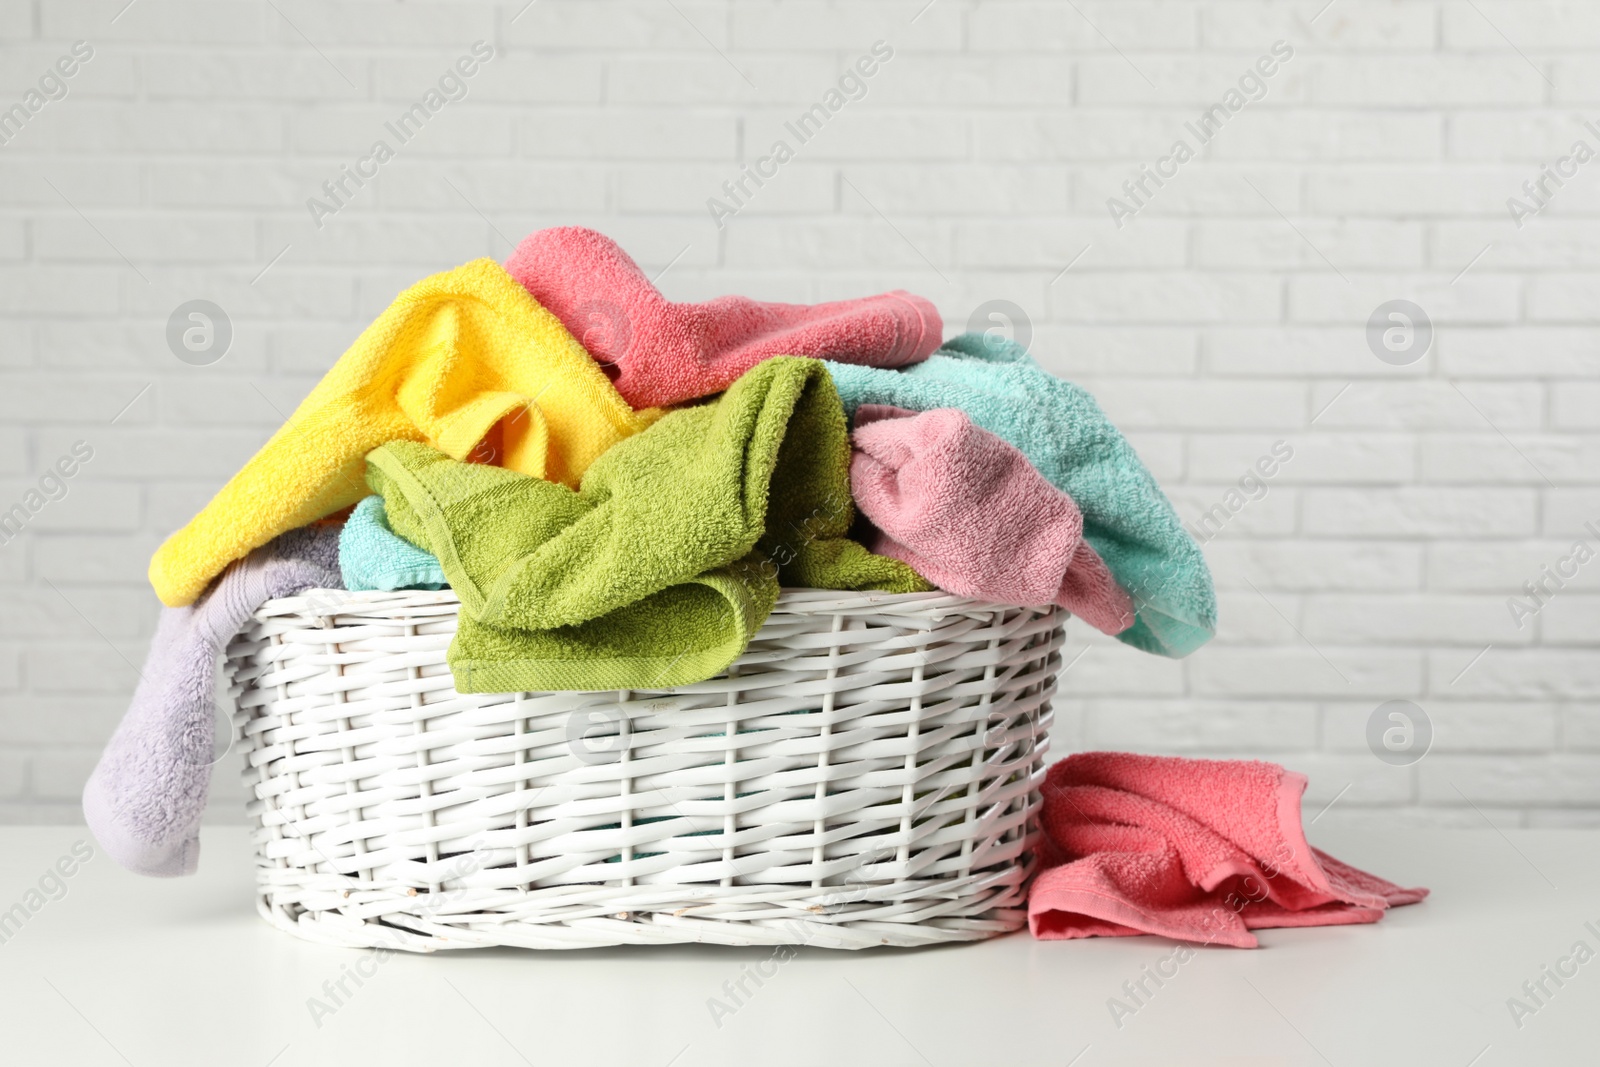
x: 144, y: 800
x: 969, y: 513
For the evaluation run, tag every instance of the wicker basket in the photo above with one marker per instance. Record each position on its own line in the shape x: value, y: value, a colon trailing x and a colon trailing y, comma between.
x: 867, y: 773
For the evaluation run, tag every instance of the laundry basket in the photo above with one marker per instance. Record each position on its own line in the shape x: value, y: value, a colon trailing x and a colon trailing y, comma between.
x: 866, y: 774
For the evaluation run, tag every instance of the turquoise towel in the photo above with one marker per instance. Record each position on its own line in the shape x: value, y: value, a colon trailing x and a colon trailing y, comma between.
x: 1063, y: 432
x: 373, y: 556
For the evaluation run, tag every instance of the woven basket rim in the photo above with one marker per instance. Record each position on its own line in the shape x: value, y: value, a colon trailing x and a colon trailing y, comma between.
x: 791, y: 601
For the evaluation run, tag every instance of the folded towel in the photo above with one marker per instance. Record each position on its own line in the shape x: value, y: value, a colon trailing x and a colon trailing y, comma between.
x: 450, y: 358
x: 662, y: 566
x: 144, y: 799
x: 1196, y: 850
x: 666, y: 353
x: 372, y: 556
x: 1063, y: 432
x: 969, y: 513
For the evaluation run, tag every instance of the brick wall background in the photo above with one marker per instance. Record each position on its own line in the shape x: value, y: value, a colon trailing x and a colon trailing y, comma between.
x: 1229, y: 314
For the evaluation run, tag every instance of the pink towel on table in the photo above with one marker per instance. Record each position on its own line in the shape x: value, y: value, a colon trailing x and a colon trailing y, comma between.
x: 969, y: 513
x: 1197, y: 850
x: 663, y: 353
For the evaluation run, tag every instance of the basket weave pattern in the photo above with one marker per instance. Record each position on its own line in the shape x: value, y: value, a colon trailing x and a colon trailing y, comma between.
x: 867, y: 773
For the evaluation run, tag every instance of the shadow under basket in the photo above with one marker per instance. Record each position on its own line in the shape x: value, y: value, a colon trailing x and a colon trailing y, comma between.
x: 866, y: 774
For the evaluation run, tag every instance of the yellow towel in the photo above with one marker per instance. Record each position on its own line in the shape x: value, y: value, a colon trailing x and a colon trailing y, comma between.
x: 451, y: 358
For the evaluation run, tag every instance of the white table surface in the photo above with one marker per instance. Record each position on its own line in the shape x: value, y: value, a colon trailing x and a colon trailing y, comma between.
x: 123, y: 970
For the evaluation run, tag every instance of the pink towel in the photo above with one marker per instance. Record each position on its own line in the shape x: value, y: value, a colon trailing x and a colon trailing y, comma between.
x: 1197, y: 850
x: 663, y: 353
x: 969, y: 513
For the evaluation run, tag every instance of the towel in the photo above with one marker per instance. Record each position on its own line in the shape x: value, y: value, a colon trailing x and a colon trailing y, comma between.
x: 451, y: 358
x: 1196, y: 850
x: 661, y: 567
x: 144, y: 799
x: 665, y: 353
x: 372, y: 556
x: 969, y: 513
x: 1063, y: 432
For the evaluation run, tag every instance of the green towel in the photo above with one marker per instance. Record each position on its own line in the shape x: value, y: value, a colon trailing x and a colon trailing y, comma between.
x: 665, y: 562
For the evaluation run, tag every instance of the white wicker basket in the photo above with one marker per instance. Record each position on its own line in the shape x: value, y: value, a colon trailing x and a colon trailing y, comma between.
x: 867, y: 773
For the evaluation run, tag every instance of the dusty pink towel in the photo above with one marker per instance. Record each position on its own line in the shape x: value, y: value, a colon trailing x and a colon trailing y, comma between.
x: 664, y: 353
x: 969, y: 513
x: 1197, y: 850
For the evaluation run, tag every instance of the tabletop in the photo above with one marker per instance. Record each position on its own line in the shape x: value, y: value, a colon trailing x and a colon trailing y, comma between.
x: 99, y: 966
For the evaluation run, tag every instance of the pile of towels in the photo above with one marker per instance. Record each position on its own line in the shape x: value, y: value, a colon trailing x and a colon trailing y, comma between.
x: 616, y: 486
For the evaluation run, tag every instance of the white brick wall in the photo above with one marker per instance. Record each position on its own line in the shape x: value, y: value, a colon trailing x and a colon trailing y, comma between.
x: 1229, y: 314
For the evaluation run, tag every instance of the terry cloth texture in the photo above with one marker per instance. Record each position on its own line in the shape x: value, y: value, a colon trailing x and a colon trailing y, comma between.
x: 372, y: 556
x: 661, y: 567
x: 1196, y: 850
x: 665, y: 353
x: 969, y: 513
x: 1065, y: 435
x: 451, y: 358
x: 144, y: 799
